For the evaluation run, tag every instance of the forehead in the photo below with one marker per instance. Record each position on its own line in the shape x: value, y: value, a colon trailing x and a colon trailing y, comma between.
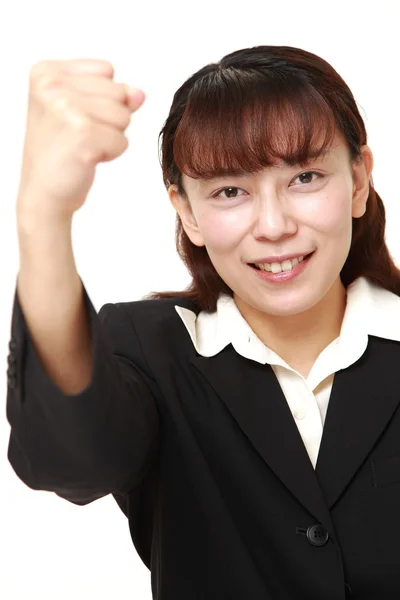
x: 336, y: 153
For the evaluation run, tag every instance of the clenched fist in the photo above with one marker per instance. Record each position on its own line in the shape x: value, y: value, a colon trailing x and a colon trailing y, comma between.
x: 77, y: 116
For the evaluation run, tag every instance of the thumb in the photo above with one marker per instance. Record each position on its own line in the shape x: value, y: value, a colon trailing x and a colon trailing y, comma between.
x: 134, y: 97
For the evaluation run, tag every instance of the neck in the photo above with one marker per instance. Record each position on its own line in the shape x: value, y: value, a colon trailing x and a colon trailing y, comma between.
x: 286, y: 336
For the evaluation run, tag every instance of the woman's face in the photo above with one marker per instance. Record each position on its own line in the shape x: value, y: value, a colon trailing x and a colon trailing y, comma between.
x: 279, y: 211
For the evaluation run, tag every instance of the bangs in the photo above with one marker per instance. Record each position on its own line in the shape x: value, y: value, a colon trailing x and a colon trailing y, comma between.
x: 238, y: 122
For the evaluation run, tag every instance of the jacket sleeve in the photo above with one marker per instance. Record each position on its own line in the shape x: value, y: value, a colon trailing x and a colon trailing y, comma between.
x: 91, y: 444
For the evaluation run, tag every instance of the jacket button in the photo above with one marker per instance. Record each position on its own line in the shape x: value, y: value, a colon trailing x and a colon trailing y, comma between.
x: 317, y: 535
x: 12, y: 345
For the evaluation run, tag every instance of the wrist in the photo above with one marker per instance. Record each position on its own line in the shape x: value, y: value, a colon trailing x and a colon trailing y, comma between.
x: 36, y: 217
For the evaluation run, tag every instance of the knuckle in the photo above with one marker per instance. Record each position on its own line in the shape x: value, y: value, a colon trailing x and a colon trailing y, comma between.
x: 43, y: 73
x: 46, y: 82
x: 63, y: 107
x: 39, y: 68
x: 81, y: 123
x: 106, y: 66
x: 60, y: 104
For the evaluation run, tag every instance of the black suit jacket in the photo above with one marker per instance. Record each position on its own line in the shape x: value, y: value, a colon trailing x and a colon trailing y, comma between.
x: 206, y: 461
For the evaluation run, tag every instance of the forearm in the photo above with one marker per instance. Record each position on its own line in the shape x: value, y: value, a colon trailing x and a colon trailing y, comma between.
x: 50, y: 294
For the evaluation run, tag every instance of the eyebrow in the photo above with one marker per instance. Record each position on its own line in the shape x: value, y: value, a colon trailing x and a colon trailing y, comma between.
x: 222, y: 174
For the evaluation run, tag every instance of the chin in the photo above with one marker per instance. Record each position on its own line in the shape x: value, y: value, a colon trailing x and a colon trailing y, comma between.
x: 289, y: 310
x: 281, y: 306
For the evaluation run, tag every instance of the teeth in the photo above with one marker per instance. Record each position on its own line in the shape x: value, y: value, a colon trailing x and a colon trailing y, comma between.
x: 286, y: 265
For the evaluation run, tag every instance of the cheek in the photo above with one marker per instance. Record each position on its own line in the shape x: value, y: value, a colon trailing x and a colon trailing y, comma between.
x: 222, y: 230
x: 331, y: 214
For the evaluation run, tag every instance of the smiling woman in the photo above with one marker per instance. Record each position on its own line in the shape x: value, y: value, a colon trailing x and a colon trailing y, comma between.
x: 256, y: 108
x: 248, y: 427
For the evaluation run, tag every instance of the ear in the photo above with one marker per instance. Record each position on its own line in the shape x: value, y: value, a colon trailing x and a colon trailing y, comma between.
x: 361, y: 181
x: 184, y: 210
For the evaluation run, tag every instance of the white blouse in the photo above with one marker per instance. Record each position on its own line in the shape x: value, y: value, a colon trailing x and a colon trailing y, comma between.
x: 370, y: 310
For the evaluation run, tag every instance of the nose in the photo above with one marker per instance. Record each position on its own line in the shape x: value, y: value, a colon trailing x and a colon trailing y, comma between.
x: 272, y: 218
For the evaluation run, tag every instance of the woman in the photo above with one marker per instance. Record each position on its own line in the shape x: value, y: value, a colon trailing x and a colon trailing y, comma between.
x: 248, y: 427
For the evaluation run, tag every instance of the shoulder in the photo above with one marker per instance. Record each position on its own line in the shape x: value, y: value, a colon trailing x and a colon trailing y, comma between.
x: 158, y: 319
x: 157, y: 307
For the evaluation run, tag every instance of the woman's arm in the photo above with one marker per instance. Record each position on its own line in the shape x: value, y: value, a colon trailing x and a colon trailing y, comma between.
x: 80, y: 403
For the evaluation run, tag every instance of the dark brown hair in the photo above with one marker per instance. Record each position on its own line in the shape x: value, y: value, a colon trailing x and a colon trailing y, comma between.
x: 243, y: 113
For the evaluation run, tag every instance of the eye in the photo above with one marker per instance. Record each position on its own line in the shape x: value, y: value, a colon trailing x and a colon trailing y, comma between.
x: 308, y: 175
x: 232, y: 191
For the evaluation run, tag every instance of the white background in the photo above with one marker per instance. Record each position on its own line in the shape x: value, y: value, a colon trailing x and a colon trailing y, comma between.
x: 51, y: 549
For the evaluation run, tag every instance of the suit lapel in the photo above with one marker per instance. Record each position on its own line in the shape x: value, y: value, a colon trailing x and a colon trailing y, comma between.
x: 255, y: 399
x: 363, y: 399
